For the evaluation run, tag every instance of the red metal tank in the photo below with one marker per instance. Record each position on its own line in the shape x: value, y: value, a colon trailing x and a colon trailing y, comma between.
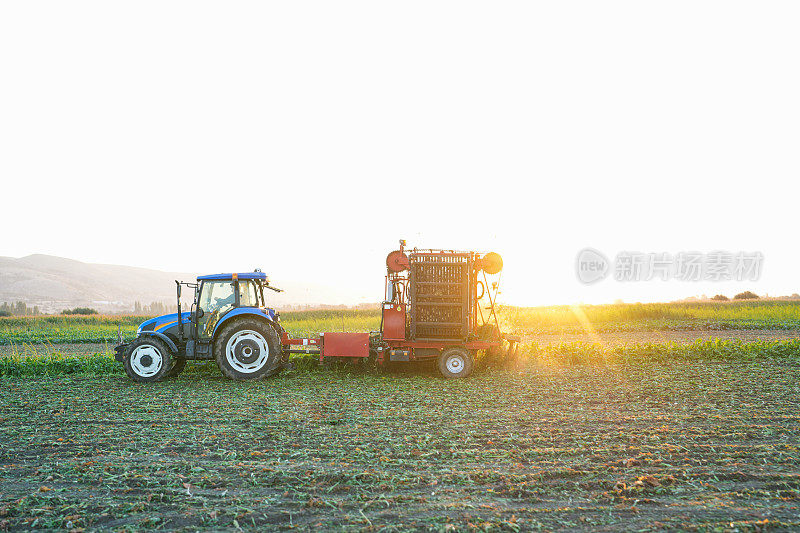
x: 340, y: 344
x: 394, y: 321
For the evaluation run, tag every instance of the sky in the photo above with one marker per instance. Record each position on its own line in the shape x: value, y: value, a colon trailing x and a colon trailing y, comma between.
x: 306, y: 138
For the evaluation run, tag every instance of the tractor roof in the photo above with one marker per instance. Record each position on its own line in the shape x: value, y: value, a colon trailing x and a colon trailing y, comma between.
x: 239, y: 275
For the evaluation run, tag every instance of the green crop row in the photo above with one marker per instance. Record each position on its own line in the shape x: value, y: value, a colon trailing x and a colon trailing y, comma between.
x: 568, y: 354
x: 762, y: 315
x: 771, y: 314
x: 96, y: 329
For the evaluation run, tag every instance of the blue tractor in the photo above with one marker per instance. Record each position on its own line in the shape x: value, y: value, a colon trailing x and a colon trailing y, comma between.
x: 229, y: 322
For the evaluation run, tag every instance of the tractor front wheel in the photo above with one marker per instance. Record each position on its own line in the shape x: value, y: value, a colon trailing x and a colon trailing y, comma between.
x: 247, y: 350
x: 456, y: 363
x: 147, y: 359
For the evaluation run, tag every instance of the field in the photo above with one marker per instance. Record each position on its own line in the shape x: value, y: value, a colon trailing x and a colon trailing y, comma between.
x: 528, y: 321
x: 644, y: 435
x: 762, y: 315
x: 60, y: 329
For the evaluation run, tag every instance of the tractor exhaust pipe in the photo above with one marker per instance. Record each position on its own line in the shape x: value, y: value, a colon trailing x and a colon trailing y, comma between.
x: 180, y: 318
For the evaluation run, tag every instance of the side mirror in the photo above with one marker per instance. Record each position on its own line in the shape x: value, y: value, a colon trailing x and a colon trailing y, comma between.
x: 199, y: 313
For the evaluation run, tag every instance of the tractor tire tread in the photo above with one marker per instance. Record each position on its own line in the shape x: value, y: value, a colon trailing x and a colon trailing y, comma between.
x: 162, y: 347
x: 177, y: 367
x: 273, y: 342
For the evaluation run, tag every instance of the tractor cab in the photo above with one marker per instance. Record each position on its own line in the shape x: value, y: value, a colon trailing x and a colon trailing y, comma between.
x: 219, y: 298
x: 218, y: 294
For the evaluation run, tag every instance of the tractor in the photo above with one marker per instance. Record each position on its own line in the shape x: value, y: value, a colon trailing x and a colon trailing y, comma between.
x: 229, y: 322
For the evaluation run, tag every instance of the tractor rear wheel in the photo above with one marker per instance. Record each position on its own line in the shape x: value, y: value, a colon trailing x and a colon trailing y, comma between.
x: 147, y: 359
x: 248, y: 349
x: 456, y: 362
x: 179, y: 363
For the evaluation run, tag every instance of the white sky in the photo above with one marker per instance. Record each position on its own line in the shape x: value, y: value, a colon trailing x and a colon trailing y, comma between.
x: 307, y: 137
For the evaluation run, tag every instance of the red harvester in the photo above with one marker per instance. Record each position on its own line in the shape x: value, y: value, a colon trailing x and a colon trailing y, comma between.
x: 439, y: 304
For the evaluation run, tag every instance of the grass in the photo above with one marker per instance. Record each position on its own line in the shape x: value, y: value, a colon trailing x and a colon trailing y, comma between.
x: 310, y: 323
x: 714, y: 350
x: 54, y: 363
x: 766, y: 315
x: 700, y: 436
x: 58, y: 329
x: 700, y: 445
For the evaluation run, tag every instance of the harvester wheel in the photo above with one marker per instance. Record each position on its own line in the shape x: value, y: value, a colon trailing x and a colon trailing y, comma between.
x: 179, y: 363
x: 247, y: 350
x: 147, y: 359
x: 455, y: 363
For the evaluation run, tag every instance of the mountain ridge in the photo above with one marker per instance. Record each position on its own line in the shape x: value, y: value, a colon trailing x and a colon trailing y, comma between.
x: 55, y: 283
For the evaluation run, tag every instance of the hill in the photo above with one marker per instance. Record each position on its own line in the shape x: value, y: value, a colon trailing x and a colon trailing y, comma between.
x: 56, y: 283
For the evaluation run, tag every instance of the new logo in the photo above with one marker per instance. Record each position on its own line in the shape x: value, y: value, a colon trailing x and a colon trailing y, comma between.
x: 591, y: 266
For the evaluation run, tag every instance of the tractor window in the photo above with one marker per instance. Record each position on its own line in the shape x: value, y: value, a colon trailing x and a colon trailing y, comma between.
x: 216, y: 298
x: 247, y: 294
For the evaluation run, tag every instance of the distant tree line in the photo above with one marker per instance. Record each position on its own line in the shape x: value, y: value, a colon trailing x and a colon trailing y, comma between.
x: 18, y: 309
x: 155, y: 309
x: 746, y: 295
x: 80, y: 311
x: 22, y: 309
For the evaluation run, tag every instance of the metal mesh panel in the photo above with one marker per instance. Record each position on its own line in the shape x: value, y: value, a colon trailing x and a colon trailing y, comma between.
x: 439, y: 296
